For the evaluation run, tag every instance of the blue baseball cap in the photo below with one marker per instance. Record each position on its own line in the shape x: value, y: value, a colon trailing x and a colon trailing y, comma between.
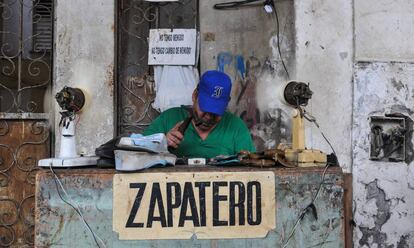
x: 214, y: 92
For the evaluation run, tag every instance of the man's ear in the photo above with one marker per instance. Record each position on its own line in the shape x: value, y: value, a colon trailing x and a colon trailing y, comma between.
x: 195, y: 95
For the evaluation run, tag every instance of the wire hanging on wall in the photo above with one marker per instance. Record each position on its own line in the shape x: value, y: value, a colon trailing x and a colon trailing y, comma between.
x: 236, y: 4
x: 269, y: 7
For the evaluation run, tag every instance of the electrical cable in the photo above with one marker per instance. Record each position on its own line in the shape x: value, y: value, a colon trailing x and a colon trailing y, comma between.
x: 233, y: 5
x: 305, y: 210
x: 311, y: 205
x: 272, y: 3
x: 396, y: 147
x: 312, y: 119
x: 96, y: 238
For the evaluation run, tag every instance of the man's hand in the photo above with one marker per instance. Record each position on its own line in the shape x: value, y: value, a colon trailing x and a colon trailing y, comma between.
x: 174, y: 137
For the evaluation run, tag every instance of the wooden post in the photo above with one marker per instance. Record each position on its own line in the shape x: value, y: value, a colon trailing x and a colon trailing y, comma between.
x: 298, y: 131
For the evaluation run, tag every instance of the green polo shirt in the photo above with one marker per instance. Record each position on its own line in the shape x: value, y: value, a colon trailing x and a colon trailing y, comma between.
x: 228, y: 137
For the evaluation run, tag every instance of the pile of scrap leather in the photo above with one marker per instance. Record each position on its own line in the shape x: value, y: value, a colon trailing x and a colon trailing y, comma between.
x: 268, y: 158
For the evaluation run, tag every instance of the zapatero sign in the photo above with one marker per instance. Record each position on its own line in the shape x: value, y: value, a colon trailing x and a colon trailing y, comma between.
x: 211, y: 205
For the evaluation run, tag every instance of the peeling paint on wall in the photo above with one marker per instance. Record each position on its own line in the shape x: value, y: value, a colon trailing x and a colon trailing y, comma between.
x: 383, y: 196
x: 109, y: 79
x: 374, y: 235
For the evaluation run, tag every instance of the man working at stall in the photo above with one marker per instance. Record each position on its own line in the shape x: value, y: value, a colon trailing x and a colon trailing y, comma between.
x: 212, y: 130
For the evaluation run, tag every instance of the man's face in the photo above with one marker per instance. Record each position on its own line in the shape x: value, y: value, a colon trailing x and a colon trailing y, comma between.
x: 203, y: 120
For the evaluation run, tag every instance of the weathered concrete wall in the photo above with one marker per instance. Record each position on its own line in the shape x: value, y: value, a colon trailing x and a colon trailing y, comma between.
x: 324, y: 53
x: 384, y: 30
x: 383, y: 191
x: 243, y: 43
x: 84, y: 58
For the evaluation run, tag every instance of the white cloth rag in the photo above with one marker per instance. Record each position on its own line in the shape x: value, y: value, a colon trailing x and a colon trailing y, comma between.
x: 174, y: 86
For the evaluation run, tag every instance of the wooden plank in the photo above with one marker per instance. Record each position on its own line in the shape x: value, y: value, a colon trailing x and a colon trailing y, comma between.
x: 348, y: 209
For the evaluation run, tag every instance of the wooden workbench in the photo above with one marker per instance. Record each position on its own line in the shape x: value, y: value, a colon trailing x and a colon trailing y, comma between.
x: 58, y: 225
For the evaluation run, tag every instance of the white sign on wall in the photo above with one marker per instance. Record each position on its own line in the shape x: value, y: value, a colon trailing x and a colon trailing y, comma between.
x: 172, y: 47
